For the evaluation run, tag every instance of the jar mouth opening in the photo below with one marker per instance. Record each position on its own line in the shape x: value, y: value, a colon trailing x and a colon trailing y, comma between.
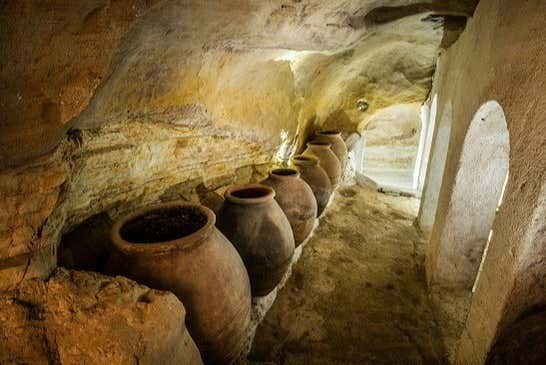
x: 249, y: 193
x: 329, y: 132
x: 285, y: 172
x: 163, y: 224
x: 161, y: 228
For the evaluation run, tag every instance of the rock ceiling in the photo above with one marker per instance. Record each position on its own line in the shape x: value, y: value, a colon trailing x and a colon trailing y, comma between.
x: 241, y: 67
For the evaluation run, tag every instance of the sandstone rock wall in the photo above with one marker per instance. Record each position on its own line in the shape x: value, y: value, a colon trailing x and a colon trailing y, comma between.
x: 174, y: 99
x: 114, y: 169
x: 84, y: 64
x: 87, y: 318
x: 54, y: 55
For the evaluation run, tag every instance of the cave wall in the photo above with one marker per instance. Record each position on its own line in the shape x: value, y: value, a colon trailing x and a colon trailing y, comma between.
x: 54, y: 56
x: 109, y: 106
x: 81, y: 65
x: 499, y: 57
x: 115, y: 169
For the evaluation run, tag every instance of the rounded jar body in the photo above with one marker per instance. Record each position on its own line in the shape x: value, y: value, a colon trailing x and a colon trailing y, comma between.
x: 176, y: 247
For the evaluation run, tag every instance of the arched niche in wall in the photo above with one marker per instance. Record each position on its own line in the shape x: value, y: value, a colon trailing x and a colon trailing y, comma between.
x: 435, y: 172
x: 476, y: 194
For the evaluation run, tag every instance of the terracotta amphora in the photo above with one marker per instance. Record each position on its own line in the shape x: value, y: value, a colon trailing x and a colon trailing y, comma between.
x: 338, y: 146
x: 327, y: 160
x: 258, y: 228
x: 176, y: 247
x: 316, y: 178
x: 296, y: 199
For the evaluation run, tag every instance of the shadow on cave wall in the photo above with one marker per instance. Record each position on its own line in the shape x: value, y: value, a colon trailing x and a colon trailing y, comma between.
x: 340, y: 120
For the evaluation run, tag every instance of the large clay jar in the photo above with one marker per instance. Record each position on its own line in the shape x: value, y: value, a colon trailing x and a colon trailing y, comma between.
x: 296, y: 199
x: 327, y: 160
x: 256, y: 225
x: 176, y: 247
x: 338, y: 146
x: 316, y: 178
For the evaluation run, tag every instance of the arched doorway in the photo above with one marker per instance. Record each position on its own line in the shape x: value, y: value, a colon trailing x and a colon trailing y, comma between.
x: 477, y: 190
x: 391, y: 142
x: 435, y: 173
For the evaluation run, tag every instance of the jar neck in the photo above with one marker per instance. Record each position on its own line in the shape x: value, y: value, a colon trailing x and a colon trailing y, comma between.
x: 303, y: 161
x: 284, y: 174
x: 319, y: 147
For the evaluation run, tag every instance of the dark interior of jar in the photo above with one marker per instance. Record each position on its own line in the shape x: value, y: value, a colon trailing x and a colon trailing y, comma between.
x: 285, y: 172
x: 251, y: 193
x: 161, y: 225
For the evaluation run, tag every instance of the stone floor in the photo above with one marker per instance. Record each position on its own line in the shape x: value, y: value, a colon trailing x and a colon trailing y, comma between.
x: 357, y: 295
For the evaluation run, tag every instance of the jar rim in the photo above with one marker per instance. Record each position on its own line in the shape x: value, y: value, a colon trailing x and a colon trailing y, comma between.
x: 249, y: 194
x: 184, y: 241
x: 284, y: 173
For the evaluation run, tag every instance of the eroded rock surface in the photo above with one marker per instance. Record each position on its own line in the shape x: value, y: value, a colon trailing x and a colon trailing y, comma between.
x: 175, y: 99
x: 84, y: 64
x: 116, y: 169
x: 86, y: 318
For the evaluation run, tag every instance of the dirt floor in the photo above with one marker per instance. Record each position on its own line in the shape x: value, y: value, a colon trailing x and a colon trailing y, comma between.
x: 357, y: 295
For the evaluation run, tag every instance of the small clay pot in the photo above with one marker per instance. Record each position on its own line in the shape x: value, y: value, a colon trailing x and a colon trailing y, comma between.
x: 296, y: 199
x: 316, y: 178
x: 338, y: 146
x: 327, y: 159
x: 176, y: 247
x: 258, y: 228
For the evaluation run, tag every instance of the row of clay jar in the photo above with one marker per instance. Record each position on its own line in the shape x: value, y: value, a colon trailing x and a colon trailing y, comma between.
x: 215, y: 264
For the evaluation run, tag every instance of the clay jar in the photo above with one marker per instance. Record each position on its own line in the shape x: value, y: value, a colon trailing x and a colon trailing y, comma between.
x: 338, y: 146
x: 327, y: 160
x: 176, y: 247
x: 296, y: 199
x: 256, y: 225
x: 316, y: 178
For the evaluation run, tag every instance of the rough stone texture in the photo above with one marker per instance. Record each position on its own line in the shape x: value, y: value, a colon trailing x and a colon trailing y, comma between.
x: 202, y: 61
x: 116, y: 169
x: 189, y: 96
x: 523, y: 343
x: 512, y: 73
x: 357, y: 296
x: 28, y: 197
x: 85, y: 318
x: 290, y: 84
x: 171, y: 90
x: 54, y: 55
x: 450, y: 306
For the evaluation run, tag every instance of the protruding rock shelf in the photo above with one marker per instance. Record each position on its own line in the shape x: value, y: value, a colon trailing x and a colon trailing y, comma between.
x: 79, y: 317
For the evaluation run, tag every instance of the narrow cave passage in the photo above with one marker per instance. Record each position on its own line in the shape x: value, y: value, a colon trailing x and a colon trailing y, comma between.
x: 245, y: 182
x: 358, y: 293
